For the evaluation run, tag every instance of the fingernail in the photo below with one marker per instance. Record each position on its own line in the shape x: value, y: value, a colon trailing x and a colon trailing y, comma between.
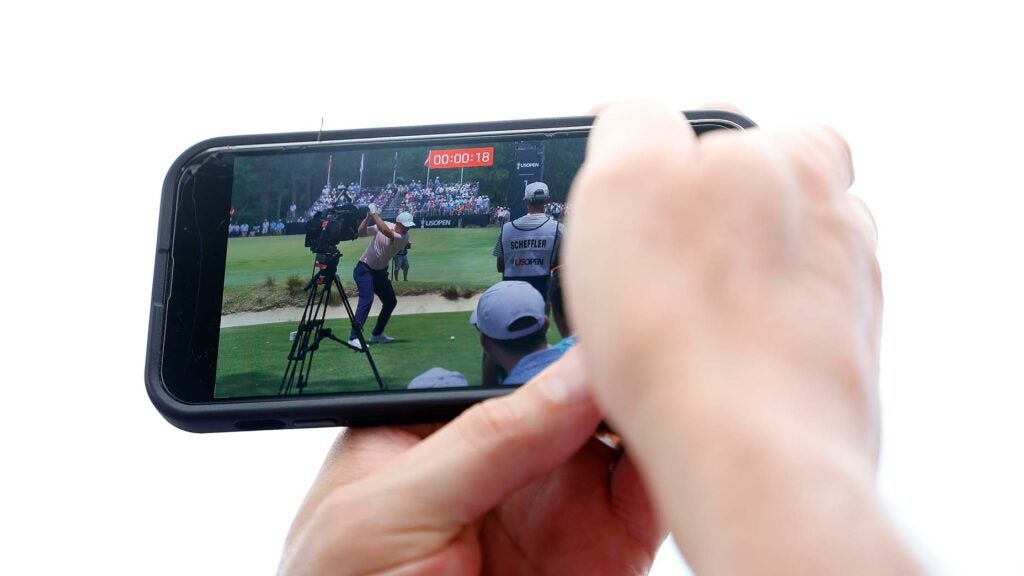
x: 565, y: 382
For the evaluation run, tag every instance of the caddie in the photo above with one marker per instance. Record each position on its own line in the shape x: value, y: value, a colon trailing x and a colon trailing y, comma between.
x: 527, y: 247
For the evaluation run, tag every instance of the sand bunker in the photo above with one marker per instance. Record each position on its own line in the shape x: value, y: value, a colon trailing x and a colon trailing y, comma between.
x: 418, y: 304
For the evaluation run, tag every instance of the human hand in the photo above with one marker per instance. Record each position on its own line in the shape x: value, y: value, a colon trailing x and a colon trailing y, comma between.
x: 766, y: 253
x: 743, y: 375
x: 515, y: 485
x: 372, y: 208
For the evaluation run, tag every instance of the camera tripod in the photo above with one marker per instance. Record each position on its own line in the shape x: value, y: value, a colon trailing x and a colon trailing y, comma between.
x: 311, y: 331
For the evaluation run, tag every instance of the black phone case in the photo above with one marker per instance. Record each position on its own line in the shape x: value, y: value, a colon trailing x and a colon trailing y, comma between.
x: 352, y: 409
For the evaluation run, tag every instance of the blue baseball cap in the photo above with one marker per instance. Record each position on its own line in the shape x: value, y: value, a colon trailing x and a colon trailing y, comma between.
x: 438, y: 377
x: 506, y: 303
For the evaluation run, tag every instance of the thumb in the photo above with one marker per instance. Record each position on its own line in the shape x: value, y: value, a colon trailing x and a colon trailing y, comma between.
x: 497, y: 447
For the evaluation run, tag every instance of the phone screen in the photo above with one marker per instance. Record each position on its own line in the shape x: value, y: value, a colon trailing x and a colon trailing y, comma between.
x: 311, y: 279
x: 393, y: 266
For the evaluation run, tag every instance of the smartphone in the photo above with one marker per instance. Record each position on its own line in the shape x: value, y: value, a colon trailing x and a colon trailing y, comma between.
x: 362, y: 277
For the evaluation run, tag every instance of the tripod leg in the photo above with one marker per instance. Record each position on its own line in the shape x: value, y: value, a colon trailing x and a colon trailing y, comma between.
x: 311, y: 332
x: 301, y: 342
x: 359, y: 332
x: 307, y: 338
x: 318, y: 333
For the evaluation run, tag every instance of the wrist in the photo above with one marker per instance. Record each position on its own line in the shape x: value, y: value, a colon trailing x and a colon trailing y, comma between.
x: 749, y: 406
x: 751, y: 453
x: 796, y: 504
x: 744, y: 397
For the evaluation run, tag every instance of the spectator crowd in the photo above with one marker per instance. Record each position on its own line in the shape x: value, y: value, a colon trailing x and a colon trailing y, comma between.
x: 358, y: 195
x: 557, y: 210
x: 440, y: 199
x: 501, y: 214
x: 265, y: 228
x: 421, y: 199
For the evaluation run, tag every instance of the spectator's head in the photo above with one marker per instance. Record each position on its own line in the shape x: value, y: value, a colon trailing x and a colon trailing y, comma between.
x: 438, y: 377
x: 557, y: 304
x: 536, y: 196
x: 512, y: 322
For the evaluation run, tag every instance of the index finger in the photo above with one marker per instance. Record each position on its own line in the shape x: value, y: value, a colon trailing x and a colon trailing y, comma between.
x: 495, y: 448
x: 637, y: 127
x: 819, y: 156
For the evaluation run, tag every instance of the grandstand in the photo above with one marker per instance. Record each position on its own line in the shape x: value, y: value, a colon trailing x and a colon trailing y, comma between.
x: 360, y: 197
x: 445, y: 200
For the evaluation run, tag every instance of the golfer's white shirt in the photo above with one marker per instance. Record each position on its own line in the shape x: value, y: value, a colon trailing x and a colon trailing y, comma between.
x: 382, y: 249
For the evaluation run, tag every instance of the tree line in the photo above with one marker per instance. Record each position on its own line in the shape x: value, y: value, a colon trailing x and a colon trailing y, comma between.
x: 266, y: 184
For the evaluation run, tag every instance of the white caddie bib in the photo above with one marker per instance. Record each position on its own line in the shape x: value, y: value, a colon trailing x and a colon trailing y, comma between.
x: 529, y: 251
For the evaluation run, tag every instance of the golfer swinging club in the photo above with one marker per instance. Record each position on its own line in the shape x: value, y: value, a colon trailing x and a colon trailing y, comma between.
x: 371, y: 272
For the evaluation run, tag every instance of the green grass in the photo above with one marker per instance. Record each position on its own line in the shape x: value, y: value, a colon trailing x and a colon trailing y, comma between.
x: 438, y: 255
x: 251, y: 359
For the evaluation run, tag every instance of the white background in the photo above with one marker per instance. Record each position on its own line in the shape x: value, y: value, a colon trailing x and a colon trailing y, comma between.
x: 99, y: 99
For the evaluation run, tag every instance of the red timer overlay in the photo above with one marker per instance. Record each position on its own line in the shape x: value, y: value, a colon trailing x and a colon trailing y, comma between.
x: 460, y: 158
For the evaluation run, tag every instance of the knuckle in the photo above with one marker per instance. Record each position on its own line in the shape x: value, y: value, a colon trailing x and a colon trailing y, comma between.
x: 493, y: 421
x: 627, y: 163
x: 875, y: 270
x: 721, y: 105
x: 733, y: 165
x: 821, y: 159
x: 842, y: 151
x: 812, y: 171
x: 865, y: 220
